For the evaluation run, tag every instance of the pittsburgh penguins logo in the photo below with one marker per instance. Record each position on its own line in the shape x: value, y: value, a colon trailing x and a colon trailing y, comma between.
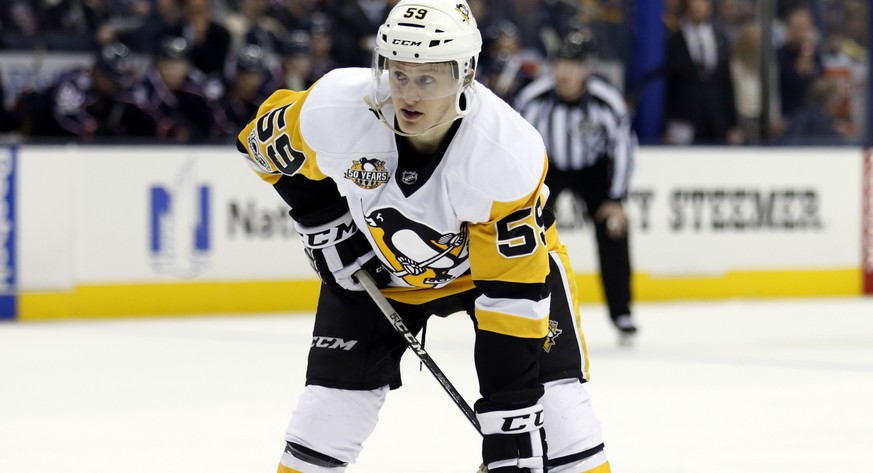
x: 464, y: 11
x: 367, y: 173
x: 554, y: 331
x: 417, y: 253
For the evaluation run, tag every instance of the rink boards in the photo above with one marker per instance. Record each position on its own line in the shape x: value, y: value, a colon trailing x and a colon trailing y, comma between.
x: 106, y: 231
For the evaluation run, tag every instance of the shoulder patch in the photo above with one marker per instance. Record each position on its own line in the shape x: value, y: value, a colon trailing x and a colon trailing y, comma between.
x: 255, y: 152
x: 368, y: 173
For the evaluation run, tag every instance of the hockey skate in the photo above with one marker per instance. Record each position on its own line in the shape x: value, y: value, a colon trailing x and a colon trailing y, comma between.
x: 627, y: 330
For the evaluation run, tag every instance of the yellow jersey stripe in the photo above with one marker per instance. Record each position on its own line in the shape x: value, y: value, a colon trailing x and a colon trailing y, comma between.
x: 511, y: 325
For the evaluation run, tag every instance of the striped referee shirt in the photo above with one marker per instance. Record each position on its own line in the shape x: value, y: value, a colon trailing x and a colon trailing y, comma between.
x: 579, y: 134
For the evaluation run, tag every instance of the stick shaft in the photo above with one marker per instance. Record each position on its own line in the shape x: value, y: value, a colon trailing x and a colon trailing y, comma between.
x: 396, y: 321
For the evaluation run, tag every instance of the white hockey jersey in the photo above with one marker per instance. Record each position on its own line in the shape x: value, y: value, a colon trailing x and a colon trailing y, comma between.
x: 476, y: 220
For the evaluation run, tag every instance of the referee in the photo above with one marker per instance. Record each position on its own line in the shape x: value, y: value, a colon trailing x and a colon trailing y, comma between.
x: 587, y: 130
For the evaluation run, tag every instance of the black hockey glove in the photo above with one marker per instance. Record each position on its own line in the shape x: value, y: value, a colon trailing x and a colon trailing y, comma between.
x: 514, y: 440
x: 337, y: 249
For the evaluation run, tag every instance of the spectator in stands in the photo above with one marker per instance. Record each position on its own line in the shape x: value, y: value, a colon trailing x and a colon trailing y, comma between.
x: 209, y: 40
x: 294, y: 15
x: 671, y: 15
x: 321, y: 45
x: 483, y: 12
x: 848, y: 37
x: 243, y: 96
x: 89, y: 103
x: 799, y: 60
x: 529, y: 16
x: 70, y: 24
x: 699, y: 99
x: 604, y: 18
x: 818, y: 117
x: 733, y: 16
x: 252, y: 24
x: 356, y: 23
x: 176, y: 96
x: 19, y: 24
x: 296, y: 63
x: 505, y: 68
x: 142, y: 25
x: 746, y: 74
x: 8, y: 118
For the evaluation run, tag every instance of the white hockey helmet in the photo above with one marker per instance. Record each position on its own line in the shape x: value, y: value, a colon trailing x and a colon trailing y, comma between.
x: 429, y: 31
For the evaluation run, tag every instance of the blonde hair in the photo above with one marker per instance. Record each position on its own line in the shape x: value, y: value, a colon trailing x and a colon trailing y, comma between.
x: 747, y: 46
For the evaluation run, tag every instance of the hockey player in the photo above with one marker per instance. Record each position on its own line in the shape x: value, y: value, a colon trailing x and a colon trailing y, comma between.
x: 587, y: 129
x: 422, y: 176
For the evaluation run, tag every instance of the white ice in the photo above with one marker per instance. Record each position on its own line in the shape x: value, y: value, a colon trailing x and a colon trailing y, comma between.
x: 739, y: 386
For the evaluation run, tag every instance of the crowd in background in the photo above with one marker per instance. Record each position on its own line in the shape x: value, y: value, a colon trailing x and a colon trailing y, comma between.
x: 189, y: 70
x: 713, y: 71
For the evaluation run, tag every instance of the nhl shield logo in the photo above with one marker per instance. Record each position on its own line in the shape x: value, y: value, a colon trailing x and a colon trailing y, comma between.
x: 587, y: 127
x: 368, y: 173
x: 409, y: 177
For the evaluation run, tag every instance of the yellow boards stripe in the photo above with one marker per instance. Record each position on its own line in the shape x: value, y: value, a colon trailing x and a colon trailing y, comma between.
x: 187, y: 298
x: 107, y: 301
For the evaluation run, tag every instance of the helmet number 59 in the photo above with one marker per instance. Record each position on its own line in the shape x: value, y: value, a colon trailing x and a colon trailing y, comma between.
x: 418, y: 13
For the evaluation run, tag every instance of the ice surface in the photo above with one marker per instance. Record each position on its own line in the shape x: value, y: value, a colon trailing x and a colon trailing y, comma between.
x: 752, y: 386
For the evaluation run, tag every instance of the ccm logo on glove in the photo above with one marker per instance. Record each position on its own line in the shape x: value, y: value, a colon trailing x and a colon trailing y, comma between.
x: 330, y: 234
x: 511, y: 421
x: 522, y: 423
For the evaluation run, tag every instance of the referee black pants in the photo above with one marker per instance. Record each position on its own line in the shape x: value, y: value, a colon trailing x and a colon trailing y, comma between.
x: 591, y: 185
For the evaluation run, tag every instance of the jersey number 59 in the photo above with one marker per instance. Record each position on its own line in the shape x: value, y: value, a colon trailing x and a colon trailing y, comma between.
x: 271, y: 132
x: 519, y: 233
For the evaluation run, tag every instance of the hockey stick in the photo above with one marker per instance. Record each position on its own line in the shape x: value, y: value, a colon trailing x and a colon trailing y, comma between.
x: 426, y: 262
x: 396, y: 321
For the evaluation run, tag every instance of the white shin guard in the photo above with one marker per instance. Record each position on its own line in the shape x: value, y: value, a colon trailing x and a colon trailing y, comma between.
x: 333, y: 422
x: 571, y: 426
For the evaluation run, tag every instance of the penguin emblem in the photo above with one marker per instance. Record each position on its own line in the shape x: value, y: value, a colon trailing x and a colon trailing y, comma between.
x: 417, y: 253
x: 554, y: 331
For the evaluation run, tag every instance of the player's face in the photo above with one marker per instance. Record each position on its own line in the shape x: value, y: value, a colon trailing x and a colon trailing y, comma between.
x: 423, y: 95
x: 569, y: 78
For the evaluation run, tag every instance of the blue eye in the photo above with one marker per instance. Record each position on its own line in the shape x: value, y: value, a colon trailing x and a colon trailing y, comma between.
x: 426, y: 80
